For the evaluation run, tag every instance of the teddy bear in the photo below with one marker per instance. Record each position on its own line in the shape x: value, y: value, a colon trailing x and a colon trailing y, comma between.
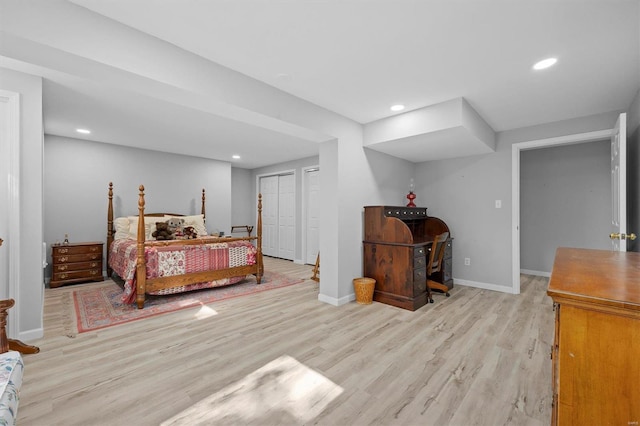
x: 162, y: 232
x: 176, y: 225
x: 189, y: 232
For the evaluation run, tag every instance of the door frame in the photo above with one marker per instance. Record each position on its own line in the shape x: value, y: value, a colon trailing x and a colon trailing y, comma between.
x: 516, y: 148
x: 12, y: 133
x: 305, y: 202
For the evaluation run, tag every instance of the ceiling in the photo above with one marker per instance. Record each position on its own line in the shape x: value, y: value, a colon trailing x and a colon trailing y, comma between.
x: 357, y: 58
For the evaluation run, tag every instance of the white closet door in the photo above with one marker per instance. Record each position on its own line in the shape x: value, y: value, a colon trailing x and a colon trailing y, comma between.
x: 286, y: 217
x: 313, y: 217
x: 269, y: 190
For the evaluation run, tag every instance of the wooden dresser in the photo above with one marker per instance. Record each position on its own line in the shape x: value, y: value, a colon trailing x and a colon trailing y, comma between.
x: 396, y: 242
x: 596, y: 351
x: 76, y: 262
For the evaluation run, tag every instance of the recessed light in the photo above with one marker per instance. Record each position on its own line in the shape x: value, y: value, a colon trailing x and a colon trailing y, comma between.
x: 397, y: 108
x: 83, y: 131
x: 235, y: 157
x: 545, y: 63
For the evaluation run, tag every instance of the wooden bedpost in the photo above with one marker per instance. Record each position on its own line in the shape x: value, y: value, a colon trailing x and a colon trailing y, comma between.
x: 259, y: 248
x: 202, y: 210
x: 109, y: 227
x: 141, y: 268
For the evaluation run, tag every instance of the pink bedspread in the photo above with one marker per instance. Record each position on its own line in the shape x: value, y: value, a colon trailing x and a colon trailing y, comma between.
x: 165, y: 261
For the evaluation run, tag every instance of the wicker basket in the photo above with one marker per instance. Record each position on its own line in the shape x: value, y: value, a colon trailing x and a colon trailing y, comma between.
x: 364, y: 290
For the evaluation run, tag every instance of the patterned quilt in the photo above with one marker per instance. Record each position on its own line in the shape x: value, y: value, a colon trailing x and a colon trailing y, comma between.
x: 166, y: 261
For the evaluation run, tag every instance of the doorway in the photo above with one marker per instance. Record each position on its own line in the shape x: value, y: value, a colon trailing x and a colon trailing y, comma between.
x: 516, y: 149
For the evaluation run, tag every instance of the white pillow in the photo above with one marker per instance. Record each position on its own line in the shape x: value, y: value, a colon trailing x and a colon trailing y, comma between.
x: 121, y: 225
x: 149, y: 226
x: 197, y: 221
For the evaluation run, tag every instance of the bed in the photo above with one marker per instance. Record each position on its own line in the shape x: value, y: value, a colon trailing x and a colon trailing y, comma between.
x: 147, y: 266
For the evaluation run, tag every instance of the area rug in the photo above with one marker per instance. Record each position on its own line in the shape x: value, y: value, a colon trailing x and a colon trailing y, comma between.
x: 101, y: 306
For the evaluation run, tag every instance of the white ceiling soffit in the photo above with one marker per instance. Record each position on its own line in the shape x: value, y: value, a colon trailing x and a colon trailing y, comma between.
x: 122, y: 117
x: 127, y: 118
x: 446, y: 130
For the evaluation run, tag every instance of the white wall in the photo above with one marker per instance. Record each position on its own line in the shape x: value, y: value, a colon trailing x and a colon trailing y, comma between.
x: 77, y: 174
x: 462, y: 192
x: 564, y: 194
x: 30, y: 299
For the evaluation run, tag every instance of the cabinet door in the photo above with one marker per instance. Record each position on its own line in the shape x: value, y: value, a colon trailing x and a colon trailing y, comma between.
x: 598, y: 368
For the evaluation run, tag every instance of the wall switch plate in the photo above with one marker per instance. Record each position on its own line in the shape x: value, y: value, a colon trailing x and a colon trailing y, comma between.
x: 498, y: 204
x: 467, y: 261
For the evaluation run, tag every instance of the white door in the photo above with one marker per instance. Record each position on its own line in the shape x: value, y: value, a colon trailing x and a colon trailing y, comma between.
x: 269, y: 190
x: 619, y: 184
x: 286, y: 216
x: 313, y: 217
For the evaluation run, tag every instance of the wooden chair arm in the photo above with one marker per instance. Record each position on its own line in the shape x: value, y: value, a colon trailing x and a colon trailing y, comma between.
x: 7, y: 344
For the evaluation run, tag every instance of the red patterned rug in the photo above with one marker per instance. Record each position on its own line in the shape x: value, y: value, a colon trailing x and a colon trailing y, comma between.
x: 99, y: 307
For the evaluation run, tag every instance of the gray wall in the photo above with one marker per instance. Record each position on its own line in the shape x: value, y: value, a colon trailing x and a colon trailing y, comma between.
x: 77, y: 174
x: 565, y: 195
x: 243, y: 207
x: 29, y: 301
x: 463, y: 191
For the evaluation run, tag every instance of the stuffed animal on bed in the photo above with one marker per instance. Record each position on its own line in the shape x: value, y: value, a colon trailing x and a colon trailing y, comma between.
x: 189, y: 232
x: 176, y: 226
x: 163, y: 232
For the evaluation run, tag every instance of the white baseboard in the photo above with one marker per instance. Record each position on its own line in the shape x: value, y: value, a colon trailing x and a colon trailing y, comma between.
x: 36, y: 333
x: 298, y: 261
x: 536, y: 273
x: 485, y: 286
x: 336, y: 302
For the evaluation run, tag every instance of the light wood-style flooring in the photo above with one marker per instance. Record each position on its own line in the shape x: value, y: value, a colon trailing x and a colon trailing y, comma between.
x: 282, y: 357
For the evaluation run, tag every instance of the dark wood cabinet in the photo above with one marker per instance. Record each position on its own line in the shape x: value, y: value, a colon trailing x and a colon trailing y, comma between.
x: 396, y: 242
x: 75, y: 263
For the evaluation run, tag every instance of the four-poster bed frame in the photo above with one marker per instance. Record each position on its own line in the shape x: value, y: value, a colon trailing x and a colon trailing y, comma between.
x: 146, y: 285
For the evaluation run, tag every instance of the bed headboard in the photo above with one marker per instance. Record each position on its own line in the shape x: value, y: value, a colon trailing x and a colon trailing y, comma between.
x: 111, y: 229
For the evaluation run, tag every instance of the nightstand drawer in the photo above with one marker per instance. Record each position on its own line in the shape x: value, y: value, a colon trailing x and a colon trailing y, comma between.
x: 76, y: 249
x: 79, y: 266
x: 73, y: 258
x: 72, y: 275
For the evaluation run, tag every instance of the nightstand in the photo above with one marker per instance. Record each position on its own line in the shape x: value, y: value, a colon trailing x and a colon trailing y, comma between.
x: 76, y: 262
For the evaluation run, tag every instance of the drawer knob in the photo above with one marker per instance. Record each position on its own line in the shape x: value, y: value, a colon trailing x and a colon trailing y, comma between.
x: 94, y: 248
x: 62, y: 268
x: 63, y: 251
x: 63, y: 258
x: 94, y: 257
x: 94, y: 264
x: 94, y: 272
x: 63, y: 276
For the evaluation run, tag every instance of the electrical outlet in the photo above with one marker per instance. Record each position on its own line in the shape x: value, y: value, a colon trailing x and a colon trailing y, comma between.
x: 467, y: 261
x: 498, y: 204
